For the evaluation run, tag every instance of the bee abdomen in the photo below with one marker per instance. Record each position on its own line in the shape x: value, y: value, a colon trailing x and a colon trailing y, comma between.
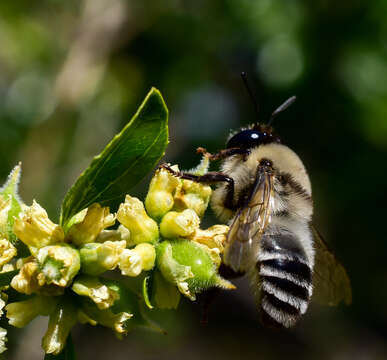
x: 286, y: 282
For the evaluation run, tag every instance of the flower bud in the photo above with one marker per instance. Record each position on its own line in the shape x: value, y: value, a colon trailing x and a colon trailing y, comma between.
x: 179, y: 224
x: 97, y: 258
x: 147, y: 253
x: 62, y: 319
x: 192, y: 195
x: 214, y: 237
x: 35, y: 229
x: 159, y: 199
x: 133, y: 261
x: 132, y: 215
x: 20, y: 313
x: 102, y: 296
x: 165, y: 294
x: 95, y: 220
x: 58, y: 264
x: 195, y: 260
x: 7, y: 251
x: 173, y: 271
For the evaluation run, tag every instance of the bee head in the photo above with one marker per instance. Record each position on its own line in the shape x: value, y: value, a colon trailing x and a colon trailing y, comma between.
x: 251, y: 137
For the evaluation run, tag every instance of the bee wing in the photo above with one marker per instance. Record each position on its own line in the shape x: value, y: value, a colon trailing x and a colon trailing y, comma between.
x: 249, y: 223
x: 330, y: 280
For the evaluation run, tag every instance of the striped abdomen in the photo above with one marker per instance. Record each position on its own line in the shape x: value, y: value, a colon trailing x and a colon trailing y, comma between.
x: 286, y: 280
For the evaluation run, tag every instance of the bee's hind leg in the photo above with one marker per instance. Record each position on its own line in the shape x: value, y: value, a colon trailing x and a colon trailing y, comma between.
x: 210, y: 295
x: 212, y: 177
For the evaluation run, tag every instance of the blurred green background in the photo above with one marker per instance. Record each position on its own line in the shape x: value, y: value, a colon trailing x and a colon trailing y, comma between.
x: 73, y: 72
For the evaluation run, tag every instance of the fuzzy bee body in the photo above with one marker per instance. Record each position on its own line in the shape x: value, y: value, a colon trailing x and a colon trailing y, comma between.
x: 280, y: 262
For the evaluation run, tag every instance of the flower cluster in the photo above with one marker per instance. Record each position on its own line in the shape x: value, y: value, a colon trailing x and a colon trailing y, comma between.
x: 65, y: 271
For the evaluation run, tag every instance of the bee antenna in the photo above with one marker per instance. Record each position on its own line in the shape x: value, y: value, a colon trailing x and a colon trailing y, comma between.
x: 281, y: 108
x: 252, y: 96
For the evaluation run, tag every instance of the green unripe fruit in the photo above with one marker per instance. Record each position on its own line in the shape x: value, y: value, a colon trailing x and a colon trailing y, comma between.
x: 189, y: 266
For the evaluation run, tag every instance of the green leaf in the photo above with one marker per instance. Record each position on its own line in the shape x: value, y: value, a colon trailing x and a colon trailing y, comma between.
x: 124, y: 162
x: 6, y: 277
x: 68, y: 353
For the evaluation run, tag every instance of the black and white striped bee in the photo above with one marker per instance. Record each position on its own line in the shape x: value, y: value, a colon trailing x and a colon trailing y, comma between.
x: 269, y: 205
x: 265, y: 194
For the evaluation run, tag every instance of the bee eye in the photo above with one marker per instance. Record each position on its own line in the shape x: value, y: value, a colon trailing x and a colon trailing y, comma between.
x: 246, y: 139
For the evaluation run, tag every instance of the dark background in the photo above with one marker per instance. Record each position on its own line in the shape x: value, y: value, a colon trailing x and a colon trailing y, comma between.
x: 73, y: 72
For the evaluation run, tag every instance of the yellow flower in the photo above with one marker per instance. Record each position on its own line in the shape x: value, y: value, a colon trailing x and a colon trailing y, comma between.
x: 97, y: 258
x: 176, y: 224
x: 35, y: 229
x: 7, y: 251
x: 133, y: 261
x: 89, y: 224
x: 103, y: 296
x: 58, y: 264
x: 132, y: 215
x: 214, y: 237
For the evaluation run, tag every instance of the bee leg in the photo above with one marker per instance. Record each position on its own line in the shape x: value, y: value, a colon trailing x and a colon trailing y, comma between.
x: 222, y: 154
x: 212, y: 177
x: 210, y: 295
x: 208, y: 298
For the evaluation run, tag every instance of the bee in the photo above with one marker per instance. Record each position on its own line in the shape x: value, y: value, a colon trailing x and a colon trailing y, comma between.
x: 264, y: 193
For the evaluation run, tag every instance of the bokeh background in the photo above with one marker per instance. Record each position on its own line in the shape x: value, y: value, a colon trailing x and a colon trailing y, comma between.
x: 73, y: 72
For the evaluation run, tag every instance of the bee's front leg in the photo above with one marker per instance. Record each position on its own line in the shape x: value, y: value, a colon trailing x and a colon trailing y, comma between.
x: 212, y: 177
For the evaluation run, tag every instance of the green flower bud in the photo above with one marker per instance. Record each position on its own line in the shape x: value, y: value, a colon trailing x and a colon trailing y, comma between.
x: 97, y: 258
x: 58, y: 264
x: 7, y: 251
x: 165, y: 294
x: 20, y: 313
x: 159, y: 199
x: 61, y: 321
x: 95, y: 219
x: 179, y: 224
x: 192, y: 195
x: 102, y: 296
x: 132, y: 215
x: 35, y: 229
x: 173, y: 271
x: 194, y: 259
x: 3, y: 340
x: 133, y: 261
